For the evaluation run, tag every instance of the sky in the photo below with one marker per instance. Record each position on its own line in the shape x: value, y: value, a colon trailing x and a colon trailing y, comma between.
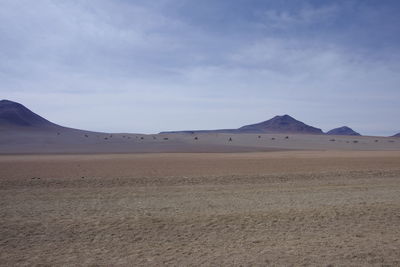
x: 151, y: 66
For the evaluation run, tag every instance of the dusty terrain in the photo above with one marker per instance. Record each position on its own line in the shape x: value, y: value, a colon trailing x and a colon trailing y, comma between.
x: 71, y: 141
x: 332, y: 208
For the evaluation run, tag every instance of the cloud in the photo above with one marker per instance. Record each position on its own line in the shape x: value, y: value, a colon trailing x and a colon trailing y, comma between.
x: 178, y: 63
x: 305, y: 16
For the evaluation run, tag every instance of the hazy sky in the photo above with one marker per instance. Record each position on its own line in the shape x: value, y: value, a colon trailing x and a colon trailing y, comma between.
x: 150, y: 66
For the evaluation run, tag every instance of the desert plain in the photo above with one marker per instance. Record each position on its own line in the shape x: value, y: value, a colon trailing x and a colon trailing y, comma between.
x: 276, y: 208
x: 200, y: 133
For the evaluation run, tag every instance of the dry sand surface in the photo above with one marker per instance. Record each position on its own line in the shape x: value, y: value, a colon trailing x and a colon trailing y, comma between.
x: 72, y: 141
x: 332, y: 208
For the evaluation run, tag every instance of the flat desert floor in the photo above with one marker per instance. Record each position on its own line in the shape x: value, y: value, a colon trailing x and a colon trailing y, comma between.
x: 320, y: 208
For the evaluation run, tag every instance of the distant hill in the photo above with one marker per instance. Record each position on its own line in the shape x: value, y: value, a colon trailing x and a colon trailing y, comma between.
x: 278, y: 124
x: 281, y: 124
x: 13, y: 114
x: 16, y: 116
x: 343, y: 131
x: 396, y: 135
x: 23, y: 131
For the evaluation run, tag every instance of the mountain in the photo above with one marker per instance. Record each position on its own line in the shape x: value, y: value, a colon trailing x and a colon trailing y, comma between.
x: 396, y: 135
x: 13, y: 114
x: 343, y: 131
x: 278, y: 124
x: 281, y: 124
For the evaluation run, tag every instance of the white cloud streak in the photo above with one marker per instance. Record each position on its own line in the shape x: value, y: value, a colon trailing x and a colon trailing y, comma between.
x: 125, y: 66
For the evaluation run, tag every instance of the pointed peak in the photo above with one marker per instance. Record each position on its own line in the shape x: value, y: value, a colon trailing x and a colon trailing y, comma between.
x: 283, y: 117
x: 281, y: 124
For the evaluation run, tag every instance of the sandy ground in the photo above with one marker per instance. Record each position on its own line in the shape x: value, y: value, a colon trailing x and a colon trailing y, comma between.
x: 332, y: 208
x: 64, y: 140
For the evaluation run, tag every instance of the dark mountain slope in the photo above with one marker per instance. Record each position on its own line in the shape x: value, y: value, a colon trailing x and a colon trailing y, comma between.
x: 343, y: 131
x: 13, y: 114
x: 281, y: 124
x: 278, y: 124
